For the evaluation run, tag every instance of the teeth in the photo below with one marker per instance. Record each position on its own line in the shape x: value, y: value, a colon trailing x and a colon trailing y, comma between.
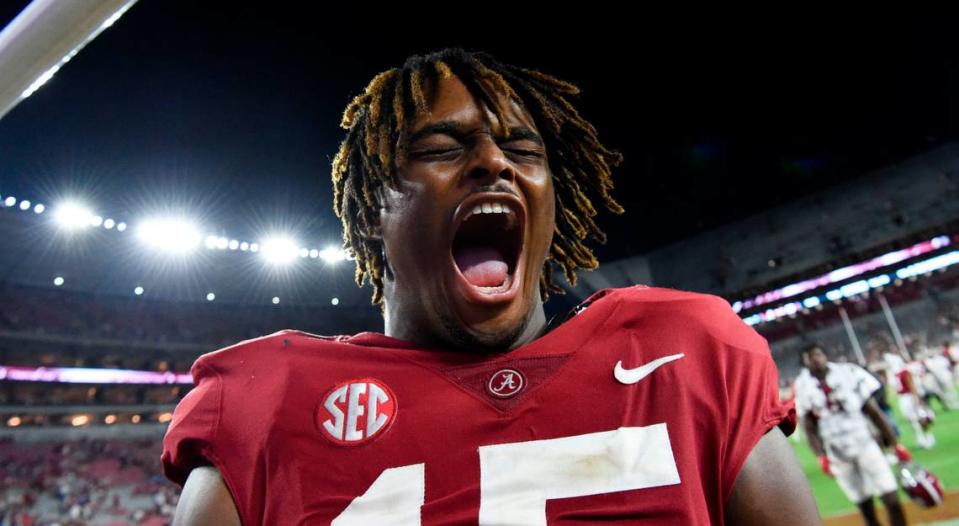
x: 489, y: 208
x: 497, y: 287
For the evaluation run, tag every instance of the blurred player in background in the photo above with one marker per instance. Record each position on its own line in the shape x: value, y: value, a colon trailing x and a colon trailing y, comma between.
x: 835, y: 406
x: 938, y: 379
x: 904, y: 377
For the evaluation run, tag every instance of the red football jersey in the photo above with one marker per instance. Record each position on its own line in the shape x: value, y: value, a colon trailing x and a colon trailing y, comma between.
x: 641, y: 408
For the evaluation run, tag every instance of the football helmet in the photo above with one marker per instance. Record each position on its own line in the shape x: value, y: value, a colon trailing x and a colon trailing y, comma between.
x: 920, y: 484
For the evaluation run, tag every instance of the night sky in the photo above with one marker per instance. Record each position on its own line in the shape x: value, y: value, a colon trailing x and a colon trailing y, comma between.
x: 232, y: 113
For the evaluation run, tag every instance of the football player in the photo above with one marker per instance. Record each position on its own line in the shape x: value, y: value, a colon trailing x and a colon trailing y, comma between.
x: 835, y: 404
x: 906, y: 378
x: 463, y: 183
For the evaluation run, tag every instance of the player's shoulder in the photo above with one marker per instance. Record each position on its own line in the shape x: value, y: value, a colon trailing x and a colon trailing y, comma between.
x: 847, y: 368
x: 254, y: 350
x: 674, y: 300
x: 803, y: 380
x: 692, y: 313
x: 805, y: 386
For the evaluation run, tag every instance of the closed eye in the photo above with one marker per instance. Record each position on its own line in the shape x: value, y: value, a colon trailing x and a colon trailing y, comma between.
x: 530, y: 153
x: 524, y: 154
x: 436, y: 153
x: 452, y: 151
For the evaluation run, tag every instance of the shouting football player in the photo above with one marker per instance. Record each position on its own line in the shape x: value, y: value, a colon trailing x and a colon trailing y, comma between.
x: 462, y: 184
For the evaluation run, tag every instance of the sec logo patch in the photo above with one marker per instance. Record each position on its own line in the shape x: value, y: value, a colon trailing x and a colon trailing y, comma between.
x: 356, y: 411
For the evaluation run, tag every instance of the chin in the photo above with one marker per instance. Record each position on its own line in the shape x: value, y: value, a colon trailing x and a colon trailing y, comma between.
x: 495, y: 334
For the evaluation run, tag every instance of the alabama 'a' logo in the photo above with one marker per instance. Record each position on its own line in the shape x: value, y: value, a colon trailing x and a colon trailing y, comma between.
x: 356, y: 411
x: 505, y: 383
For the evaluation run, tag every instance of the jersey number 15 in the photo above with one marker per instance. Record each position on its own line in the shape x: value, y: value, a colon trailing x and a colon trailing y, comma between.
x: 517, y: 479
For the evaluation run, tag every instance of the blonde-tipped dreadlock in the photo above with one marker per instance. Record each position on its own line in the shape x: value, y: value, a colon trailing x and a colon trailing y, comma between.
x: 376, y: 120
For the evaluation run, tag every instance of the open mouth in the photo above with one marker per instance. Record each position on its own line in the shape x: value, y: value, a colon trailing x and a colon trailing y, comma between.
x: 487, y: 247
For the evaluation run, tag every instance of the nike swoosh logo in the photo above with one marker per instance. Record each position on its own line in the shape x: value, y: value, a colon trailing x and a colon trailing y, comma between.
x: 631, y: 376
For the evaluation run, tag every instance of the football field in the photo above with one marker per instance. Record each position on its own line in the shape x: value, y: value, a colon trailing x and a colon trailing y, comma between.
x: 943, y: 460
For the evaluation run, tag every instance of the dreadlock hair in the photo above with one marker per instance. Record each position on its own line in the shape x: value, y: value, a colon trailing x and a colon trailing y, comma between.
x: 377, y: 123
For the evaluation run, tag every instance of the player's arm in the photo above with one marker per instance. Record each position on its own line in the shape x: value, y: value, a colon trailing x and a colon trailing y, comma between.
x: 771, y: 488
x: 205, y: 499
x: 872, y: 411
x: 810, y: 426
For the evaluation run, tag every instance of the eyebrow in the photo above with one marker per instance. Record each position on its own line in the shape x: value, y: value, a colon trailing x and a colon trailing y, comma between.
x: 456, y: 130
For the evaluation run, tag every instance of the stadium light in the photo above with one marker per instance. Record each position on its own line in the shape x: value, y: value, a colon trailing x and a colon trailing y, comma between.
x: 276, y: 300
x: 332, y: 254
x: 279, y: 250
x: 929, y: 265
x: 210, y: 296
x: 58, y: 280
x: 121, y: 226
x: 25, y: 205
x: 335, y: 301
x: 844, y: 273
x: 39, y: 208
x: 72, y: 215
x: 10, y: 201
x: 173, y: 235
x: 138, y: 291
x: 110, y: 419
x: 109, y: 223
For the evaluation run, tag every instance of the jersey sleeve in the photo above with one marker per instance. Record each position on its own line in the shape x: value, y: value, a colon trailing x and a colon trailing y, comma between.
x: 752, y: 394
x: 866, y: 384
x: 755, y: 409
x: 191, y: 437
x: 803, y: 403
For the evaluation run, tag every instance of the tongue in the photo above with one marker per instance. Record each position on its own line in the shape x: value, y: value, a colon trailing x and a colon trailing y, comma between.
x: 482, y: 266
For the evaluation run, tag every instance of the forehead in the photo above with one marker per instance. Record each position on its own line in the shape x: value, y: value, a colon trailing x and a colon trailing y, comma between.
x: 452, y: 101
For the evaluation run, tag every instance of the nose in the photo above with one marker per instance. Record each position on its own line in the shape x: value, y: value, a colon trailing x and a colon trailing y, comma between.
x: 488, y: 163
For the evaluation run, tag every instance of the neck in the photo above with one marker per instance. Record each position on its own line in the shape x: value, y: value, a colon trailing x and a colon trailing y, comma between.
x: 536, y: 328
x: 449, y: 333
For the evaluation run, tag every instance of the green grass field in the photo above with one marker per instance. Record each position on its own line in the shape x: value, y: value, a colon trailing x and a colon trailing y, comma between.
x: 943, y: 460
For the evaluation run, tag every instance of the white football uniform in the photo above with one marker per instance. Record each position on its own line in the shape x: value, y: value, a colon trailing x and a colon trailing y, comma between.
x: 939, y: 380
x: 855, y: 458
x: 905, y: 377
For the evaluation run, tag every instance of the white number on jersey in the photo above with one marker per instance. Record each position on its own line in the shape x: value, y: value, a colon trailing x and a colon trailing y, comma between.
x: 517, y: 479
x: 394, y: 497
